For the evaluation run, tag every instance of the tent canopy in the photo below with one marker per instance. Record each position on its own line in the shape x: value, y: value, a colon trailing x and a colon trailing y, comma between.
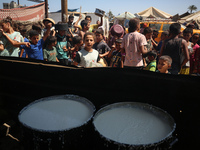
x: 154, y: 13
x: 125, y: 15
x: 193, y: 16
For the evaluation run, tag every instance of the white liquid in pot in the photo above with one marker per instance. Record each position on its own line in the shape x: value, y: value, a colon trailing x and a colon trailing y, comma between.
x: 133, y: 126
x: 55, y: 115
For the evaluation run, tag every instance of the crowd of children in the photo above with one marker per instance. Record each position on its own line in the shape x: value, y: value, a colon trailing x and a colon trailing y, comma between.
x: 71, y: 44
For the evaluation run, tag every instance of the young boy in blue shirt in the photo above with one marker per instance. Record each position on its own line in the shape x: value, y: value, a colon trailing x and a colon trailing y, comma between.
x: 35, y: 50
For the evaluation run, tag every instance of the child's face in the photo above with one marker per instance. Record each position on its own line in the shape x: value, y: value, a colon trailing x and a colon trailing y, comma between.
x: 148, y: 36
x: 99, y: 37
x: 5, y: 26
x: 54, y: 43
x: 163, y: 66
x: 151, y: 58
x: 61, y: 32
x: 34, y: 39
x: 88, y: 26
x: 46, y: 23
x: 118, y: 46
x: 163, y: 36
x: 195, y: 39
x: 80, y: 44
x: 88, y: 20
x: 89, y: 41
x: 155, y: 35
x: 187, y: 36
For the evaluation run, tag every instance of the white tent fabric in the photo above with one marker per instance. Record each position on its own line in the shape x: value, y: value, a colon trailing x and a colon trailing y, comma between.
x: 125, y: 15
x: 154, y: 12
x: 194, y: 16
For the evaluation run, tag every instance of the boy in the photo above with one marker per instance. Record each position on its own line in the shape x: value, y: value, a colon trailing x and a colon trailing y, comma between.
x: 133, y: 46
x: 173, y: 48
x: 164, y: 64
x: 148, y: 32
x: 94, y: 26
x: 78, y: 45
x: 85, y: 24
x: 88, y: 55
x: 115, y: 54
x: 151, y: 66
x: 187, y: 34
x: 101, y: 45
x: 50, y: 50
x: 62, y: 46
x: 35, y: 50
x: 47, y: 22
x: 164, y: 36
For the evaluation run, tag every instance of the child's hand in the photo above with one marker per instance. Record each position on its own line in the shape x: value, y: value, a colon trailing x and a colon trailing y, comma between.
x: 65, y: 49
x: 27, y: 44
x: 100, y: 55
x: 1, y: 32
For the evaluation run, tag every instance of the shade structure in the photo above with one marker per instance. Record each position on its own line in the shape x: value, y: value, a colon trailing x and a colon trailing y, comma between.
x: 154, y: 13
x: 125, y: 15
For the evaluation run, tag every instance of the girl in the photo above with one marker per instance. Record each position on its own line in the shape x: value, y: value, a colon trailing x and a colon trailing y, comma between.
x: 11, y: 39
x: 49, y: 49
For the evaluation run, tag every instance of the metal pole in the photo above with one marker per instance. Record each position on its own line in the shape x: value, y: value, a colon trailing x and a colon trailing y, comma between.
x: 46, y: 9
x: 64, y: 7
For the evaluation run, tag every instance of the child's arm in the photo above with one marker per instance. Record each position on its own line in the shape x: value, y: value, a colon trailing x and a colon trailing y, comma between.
x: 57, y: 59
x: 186, y: 53
x: 1, y: 47
x: 111, y: 52
x: 101, y: 23
x: 103, y: 55
x: 77, y: 59
x: 21, y: 53
x: 76, y: 23
x: 13, y: 42
x: 47, y: 33
x: 70, y: 31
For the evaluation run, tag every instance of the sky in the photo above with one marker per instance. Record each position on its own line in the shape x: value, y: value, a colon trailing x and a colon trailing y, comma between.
x: 119, y: 6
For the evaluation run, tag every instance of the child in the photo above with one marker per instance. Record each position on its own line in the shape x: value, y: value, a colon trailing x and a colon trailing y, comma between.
x: 78, y: 45
x: 48, y: 22
x: 10, y: 38
x: 22, y: 52
x: 101, y: 45
x: 197, y: 63
x: 85, y: 24
x: 35, y: 50
x: 63, y: 46
x: 148, y: 32
x: 115, y: 54
x: 3, y: 52
x: 195, y: 38
x: 173, y: 47
x: 50, y: 50
x: 164, y: 64
x: 88, y: 55
x: 133, y: 46
x: 151, y: 66
x: 187, y: 34
x: 164, y: 36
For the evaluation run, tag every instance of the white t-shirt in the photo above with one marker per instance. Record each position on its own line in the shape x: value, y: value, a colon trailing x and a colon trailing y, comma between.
x: 85, y: 58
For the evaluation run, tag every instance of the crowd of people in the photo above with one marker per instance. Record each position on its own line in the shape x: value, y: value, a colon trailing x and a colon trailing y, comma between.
x: 73, y: 44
